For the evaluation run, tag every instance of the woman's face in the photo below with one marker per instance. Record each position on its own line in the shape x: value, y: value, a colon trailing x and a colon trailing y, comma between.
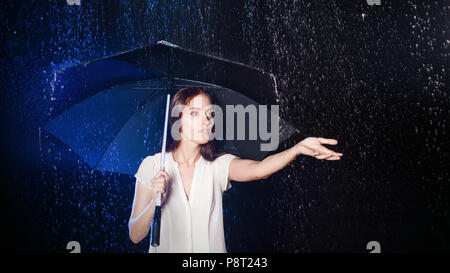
x: 197, y: 120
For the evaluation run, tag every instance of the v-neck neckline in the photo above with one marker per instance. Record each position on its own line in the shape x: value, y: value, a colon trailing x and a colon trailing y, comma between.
x: 191, y: 191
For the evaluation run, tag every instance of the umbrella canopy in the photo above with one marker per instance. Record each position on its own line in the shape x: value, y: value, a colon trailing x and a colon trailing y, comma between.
x: 116, y: 127
x: 73, y: 83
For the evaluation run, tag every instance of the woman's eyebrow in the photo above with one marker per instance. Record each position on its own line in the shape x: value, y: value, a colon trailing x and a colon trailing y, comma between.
x: 206, y: 109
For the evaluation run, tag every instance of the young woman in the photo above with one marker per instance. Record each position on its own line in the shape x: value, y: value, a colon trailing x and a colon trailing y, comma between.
x: 195, y: 176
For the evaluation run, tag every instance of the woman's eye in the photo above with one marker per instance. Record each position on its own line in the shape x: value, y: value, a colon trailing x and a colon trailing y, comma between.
x: 194, y: 113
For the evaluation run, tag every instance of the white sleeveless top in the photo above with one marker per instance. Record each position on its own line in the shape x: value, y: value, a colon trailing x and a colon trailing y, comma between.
x: 194, y: 225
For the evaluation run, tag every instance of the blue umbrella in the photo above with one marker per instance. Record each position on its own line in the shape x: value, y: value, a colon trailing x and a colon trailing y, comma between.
x: 120, y: 119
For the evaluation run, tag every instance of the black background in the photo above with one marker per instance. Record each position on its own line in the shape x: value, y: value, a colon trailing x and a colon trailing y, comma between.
x: 377, y: 83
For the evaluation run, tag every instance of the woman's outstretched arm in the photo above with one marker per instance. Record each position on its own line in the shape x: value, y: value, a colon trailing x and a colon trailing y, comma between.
x: 243, y: 170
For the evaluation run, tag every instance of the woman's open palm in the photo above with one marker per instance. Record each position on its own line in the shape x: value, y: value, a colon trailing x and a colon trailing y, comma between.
x: 312, y: 146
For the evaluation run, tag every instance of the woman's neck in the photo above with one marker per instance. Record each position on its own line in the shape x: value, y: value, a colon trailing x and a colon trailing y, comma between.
x: 187, y: 153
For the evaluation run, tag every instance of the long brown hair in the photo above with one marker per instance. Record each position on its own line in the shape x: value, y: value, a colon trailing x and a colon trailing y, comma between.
x: 183, y: 97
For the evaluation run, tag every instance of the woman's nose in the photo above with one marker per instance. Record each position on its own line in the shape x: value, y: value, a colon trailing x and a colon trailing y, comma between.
x: 207, y: 120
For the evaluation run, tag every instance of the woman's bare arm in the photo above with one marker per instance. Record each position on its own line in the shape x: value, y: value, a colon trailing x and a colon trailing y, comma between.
x: 142, y: 213
x: 243, y: 170
x: 144, y: 206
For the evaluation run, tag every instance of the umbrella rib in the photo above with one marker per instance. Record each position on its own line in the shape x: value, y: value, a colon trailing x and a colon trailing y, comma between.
x: 151, y: 96
x: 120, y: 128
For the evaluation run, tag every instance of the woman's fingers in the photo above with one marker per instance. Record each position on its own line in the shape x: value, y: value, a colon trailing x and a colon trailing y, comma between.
x: 313, y: 147
x: 329, y: 141
x: 162, y: 177
x: 160, y: 186
x: 159, y: 182
x: 166, y: 176
x: 161, y: 189
x: 309, y: 151
x: 323, y: 156
x: 163, y: 174
x: 324, y: 150
x: 328, y: 157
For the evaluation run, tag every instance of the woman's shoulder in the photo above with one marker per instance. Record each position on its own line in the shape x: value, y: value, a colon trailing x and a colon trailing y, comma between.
x: 226, y: 155
x: 151, y: 159
x: 224, y: 158
x: 221, y: 167
x: 147, y: 168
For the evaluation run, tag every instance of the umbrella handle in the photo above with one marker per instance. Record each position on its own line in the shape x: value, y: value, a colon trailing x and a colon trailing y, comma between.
x: 156, y: 225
